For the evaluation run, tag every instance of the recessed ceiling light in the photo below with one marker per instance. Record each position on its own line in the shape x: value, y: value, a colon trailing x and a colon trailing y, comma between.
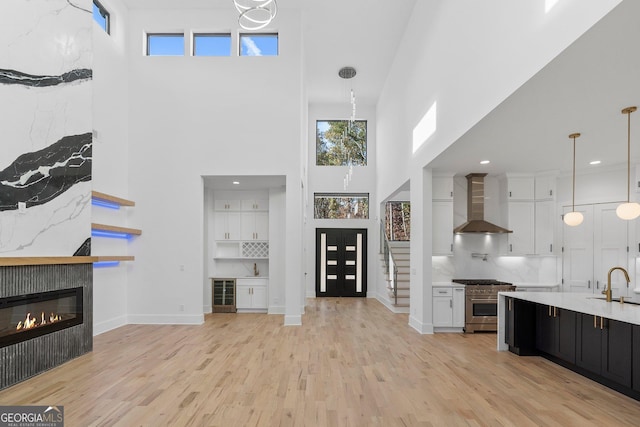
x: 236, y: 182
x: 485, y: 162
x: 595, y: 162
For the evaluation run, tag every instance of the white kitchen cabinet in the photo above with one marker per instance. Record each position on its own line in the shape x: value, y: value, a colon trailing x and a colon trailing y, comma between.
x: 545, y: 187
x: 592, y: 248
x: 226, y: 226
x: 251, y: 294
x: 448, y: 308
x: 442, y: 188
x: 255, y: 225
x: 522, y: 222
x: 255, y: 205
x: 442, y: 223
x: 520, y: 187
x: 227, y: 205
x: 545, y: 223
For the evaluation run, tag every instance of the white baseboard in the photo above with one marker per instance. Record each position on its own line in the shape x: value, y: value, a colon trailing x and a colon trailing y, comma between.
x: 109, y: 325
x: 423, y: 328
x: 276, y: 309
x: 293, y: 320
x: 166, y: 319
x: 387, y: 303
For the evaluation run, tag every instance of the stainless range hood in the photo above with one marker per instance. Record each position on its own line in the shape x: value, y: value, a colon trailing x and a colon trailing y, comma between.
x: 475, y: 208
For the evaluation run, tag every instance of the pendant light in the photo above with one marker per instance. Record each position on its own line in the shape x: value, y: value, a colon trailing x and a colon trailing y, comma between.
x: 573, y: 218
x: 628, y: 210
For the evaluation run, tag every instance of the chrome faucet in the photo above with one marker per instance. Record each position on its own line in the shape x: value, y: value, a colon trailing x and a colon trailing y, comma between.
x: 607, y: 291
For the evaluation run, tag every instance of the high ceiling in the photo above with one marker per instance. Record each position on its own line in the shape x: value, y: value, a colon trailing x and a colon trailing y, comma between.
x: 582, y: 90
x: 337, y: 33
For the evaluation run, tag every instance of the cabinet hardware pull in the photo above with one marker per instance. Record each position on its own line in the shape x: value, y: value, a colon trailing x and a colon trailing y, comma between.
x: 551, y: 247
x: 589, y: 284
x: 595, y: 325
x: 555, y: 311
x: 509, y: 193
x: 601, y: 321
x: 452, y: 247
x: 510, y: 247
x: 597, y: 284
x: 510, y: 304
x: 551, y: 192
x: 451, y: 194
x: 549, y: 311
x: 450, y: 304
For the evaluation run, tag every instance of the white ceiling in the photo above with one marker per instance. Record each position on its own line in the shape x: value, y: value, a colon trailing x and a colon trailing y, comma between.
x: 582, y: 90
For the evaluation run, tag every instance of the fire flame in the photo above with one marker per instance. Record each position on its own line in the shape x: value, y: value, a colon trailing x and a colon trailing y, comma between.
x: 32, y: 322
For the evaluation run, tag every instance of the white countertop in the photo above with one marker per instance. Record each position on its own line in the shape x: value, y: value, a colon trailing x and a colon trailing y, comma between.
x: 446, y: 285
x: 584, y: 303
x: 530, y: 285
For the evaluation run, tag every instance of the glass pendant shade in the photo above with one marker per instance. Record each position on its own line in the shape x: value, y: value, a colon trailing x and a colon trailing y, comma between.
x: 573, y: 218
x: 628, y: 211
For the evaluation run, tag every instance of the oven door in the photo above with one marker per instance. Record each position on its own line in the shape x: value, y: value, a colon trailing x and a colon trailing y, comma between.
x: 482, y: 310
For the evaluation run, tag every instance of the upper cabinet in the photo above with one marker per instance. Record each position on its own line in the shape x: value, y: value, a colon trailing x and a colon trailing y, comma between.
x: 530, y: 210
x: 545, y: 187
x: 228, y: 205
x: 255, y: 205
x: 442, y: 188
x: 442, y: 215
x: 520, y: 187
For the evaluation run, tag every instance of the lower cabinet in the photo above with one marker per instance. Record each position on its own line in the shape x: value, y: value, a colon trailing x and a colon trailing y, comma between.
x: 635, y: 364
x: 556, y: 332
x: 520, y: 324
x: 251, y: 294
x: 604, y: 347
x: 448, y: 308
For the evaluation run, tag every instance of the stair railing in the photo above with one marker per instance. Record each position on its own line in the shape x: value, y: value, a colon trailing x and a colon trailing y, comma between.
x: 391, y: 270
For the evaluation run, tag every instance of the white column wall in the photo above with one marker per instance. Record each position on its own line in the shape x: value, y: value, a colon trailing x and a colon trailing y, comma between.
x: 111, y: 164
x: 195, y: 116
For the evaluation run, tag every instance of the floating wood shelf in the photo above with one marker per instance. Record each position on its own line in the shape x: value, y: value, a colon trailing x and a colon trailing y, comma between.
x: 113, y: 199
x: 107, y: 258
x: 47, y: 260
x: 115, y: 229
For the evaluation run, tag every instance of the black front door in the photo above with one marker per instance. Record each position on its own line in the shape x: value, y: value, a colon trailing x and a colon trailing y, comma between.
x: 341, y: 262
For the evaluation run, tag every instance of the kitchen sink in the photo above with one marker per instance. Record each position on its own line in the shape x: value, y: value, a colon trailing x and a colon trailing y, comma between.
x: 626, y: 300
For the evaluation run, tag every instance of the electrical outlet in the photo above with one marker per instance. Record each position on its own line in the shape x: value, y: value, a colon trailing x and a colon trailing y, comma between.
x: 181, y: 307
x: 181, y: 267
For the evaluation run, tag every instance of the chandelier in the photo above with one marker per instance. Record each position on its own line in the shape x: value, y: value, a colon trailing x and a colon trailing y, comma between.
x: 255, y: 14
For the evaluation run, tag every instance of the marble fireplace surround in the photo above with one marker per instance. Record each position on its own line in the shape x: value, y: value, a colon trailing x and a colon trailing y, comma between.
x: 28, y: 358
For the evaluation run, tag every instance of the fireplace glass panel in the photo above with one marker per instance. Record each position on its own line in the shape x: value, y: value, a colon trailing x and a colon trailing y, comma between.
x: 28, y: 316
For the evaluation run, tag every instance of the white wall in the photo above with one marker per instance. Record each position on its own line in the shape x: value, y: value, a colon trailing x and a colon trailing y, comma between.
x: 329, y: 179
x: 460, y: 59
x: 111, y: 164
x: 191, y: 117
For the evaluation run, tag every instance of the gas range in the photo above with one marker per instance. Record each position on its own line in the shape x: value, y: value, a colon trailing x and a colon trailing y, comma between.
x: 481, y: 302
x: 484, y: 286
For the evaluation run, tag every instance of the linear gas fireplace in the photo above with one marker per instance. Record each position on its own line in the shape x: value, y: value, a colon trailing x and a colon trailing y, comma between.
x: 28, y: 316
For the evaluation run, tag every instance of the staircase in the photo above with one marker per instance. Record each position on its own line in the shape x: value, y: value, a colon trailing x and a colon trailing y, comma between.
x: 399, y: 260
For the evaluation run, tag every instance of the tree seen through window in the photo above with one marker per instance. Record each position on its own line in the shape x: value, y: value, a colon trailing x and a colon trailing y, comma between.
x: 341, y: 142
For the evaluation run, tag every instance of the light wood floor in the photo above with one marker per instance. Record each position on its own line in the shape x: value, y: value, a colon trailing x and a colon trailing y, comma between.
x: 352, y: 363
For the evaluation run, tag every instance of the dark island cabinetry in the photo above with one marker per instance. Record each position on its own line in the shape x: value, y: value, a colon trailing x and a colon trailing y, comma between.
x: 604, y: 347
x: 556, y: 332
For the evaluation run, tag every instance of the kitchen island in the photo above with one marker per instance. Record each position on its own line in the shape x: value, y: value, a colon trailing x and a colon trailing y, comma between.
x: 582, y: 332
